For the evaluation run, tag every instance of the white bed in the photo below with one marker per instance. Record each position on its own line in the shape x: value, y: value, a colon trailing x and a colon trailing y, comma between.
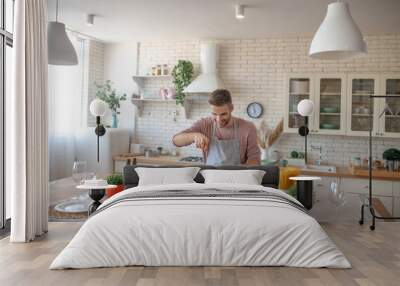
x: 189, y: 231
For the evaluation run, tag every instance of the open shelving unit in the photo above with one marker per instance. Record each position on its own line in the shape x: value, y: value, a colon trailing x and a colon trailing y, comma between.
x: 142, y: 81
x: 139, y: 103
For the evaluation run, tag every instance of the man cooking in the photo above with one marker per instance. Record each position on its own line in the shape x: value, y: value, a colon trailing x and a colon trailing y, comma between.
x: 223, y: 138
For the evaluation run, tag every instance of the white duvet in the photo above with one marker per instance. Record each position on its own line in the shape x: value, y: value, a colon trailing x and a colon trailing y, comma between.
x: 194, y: 231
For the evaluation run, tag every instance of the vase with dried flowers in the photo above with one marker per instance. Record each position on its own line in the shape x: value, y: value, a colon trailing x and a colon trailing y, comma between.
x: 267, y: 136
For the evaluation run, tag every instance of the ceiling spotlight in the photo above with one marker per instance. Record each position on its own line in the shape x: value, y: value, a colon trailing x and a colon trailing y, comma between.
x: 239, y: 11
x: 90, y: 20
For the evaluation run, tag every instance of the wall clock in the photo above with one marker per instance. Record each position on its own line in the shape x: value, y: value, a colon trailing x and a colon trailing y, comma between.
x: 254, y: 110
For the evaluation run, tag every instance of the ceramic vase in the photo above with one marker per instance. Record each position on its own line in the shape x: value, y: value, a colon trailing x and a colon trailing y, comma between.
x: 264, y: 154
x: 114, y: 120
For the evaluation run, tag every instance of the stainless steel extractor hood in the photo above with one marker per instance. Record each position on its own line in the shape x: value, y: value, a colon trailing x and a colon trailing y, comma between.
x: 208, y: 79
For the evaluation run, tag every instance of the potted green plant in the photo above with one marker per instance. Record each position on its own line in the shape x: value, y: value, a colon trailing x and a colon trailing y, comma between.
x: 115, y: 179
x: 109, y: 95
x: 391, y: 155
x: 182, y: 74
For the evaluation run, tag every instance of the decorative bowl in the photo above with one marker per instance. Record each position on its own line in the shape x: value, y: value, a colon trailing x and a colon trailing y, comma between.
x: 330, y: 109
x: 329, y: 126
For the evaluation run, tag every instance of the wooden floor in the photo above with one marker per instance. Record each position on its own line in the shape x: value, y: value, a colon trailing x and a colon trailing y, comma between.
x: 375, y: 257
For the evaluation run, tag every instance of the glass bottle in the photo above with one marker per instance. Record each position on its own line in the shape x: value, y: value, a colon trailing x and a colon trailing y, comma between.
x: 165, y: 70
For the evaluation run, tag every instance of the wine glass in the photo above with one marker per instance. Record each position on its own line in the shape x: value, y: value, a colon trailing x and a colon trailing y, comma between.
x: 79, y: 171
x: 337, y: 195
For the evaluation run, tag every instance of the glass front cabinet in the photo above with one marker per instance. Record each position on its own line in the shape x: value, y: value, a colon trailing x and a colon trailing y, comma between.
x: 328, y: 94
x: 298, y: 88
x: 359, y: 88
x: 389, y: 111
x: 330, y: 105
x: 342, y: 104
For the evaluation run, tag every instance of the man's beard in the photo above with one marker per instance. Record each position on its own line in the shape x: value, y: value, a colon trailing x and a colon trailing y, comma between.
x: 224, y: 122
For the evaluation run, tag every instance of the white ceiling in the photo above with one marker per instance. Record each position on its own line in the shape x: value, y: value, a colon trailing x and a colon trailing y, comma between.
x: 147, y: 20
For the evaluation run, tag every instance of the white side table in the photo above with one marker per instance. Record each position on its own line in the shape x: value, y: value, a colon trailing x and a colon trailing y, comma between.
x: 96, y: 193
x: 305, y: 189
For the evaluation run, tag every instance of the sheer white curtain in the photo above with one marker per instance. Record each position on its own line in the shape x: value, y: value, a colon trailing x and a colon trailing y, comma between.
x: 67, y: 111
x: 28, y: 148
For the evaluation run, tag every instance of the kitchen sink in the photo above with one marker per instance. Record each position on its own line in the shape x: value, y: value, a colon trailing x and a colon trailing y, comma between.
x: 320, y: 168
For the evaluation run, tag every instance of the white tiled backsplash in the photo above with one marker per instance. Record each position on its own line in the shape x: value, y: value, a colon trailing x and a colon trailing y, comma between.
x: 255, y: 70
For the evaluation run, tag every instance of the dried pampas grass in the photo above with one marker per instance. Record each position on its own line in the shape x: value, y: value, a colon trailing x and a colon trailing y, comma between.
x: 266, y: 136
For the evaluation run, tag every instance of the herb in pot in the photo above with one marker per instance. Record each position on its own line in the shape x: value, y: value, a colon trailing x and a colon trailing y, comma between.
x: 115, y: 179
x: 391, y: 154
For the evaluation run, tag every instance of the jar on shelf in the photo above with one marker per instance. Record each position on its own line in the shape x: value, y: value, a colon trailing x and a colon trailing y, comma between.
x: 164, y: 70
x: 158, y: 69
x: 154, y: 70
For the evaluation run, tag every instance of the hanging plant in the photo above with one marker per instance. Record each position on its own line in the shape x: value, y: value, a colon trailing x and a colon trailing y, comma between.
x: 182, y: 74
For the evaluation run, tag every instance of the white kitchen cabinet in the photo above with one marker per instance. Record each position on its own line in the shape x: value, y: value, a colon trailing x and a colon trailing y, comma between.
x: 328, y: 94
x: 298, y: 87
x: 359, y: 88
x: 382, y: 190
x: 396, y: 206
x: 396, y: 189
x: 361, y: 186
x: 324, y: 208
x: 396, y: 199
x: 342, y: 104
x: 330, y: 104
x: 389, y: 108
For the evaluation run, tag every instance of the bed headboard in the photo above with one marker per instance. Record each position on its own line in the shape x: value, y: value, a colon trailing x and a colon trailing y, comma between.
x: 270, y: 179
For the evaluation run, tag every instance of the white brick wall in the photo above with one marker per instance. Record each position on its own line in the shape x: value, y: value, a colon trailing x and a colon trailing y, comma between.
x: 95, y: 71
x: 254, y: 70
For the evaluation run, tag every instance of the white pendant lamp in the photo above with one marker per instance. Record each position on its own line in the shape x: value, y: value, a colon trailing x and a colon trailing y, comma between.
x: 338, y: 37
x: 60, y: 49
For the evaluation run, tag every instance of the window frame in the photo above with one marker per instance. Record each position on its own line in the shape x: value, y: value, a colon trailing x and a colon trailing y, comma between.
x: 6, y: 39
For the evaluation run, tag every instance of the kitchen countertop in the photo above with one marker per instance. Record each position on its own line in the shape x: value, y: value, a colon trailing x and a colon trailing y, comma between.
x: 156, y: 160
x: 344, y: 172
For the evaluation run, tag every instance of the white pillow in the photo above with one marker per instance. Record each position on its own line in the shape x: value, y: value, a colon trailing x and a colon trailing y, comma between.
x: 166, y: 176
x: 248, y: 177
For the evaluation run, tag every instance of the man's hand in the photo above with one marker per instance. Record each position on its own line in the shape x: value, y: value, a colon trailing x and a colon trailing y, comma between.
x: 201, y: 141
x: 185, y: 139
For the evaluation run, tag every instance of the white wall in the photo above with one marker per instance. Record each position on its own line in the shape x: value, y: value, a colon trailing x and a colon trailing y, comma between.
x: 67, y: 111
x: 255, y: 70
x: 120, y: 62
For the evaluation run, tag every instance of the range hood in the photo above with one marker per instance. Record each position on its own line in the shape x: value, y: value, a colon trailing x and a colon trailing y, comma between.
x: 208, y: 80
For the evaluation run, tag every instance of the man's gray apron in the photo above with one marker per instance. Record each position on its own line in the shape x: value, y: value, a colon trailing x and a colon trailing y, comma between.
x: 224, y: 152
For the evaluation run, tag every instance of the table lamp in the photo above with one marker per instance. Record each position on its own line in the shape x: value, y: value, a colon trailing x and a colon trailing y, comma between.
x: 305, y: 108
x: 98, y: 109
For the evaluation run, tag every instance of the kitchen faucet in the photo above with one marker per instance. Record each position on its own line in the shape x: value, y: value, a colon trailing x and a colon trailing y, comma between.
x: 319, y: 148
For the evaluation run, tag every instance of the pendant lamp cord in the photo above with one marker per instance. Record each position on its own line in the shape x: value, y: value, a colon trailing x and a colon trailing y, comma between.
x: 57, y: 11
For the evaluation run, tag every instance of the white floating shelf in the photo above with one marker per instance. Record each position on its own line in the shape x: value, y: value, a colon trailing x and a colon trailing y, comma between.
x: 139, y: 103
x: 361, y: 94
x: 140, y: 79
x: 329, y: 113
x: 299, y: 93
x: 153, y: 99
x: 331, y: 93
